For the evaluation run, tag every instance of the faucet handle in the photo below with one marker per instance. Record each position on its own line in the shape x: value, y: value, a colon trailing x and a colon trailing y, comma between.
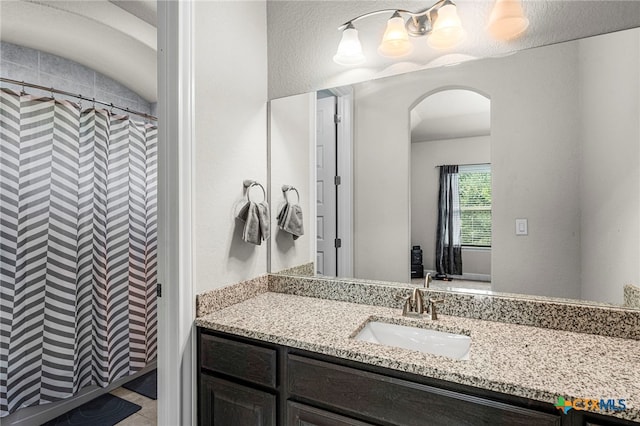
x: 432, y: 307
x: 407, y: 303
x: 400, y: 296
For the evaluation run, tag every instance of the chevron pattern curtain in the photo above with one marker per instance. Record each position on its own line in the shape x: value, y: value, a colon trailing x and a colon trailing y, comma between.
x: 78, y: 248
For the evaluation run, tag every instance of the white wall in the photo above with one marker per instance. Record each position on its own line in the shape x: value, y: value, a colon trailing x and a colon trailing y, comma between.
x: 425, y: 156
x: 230, y: 121
x: 292, y: 134
x: 610, y: 186
x: 534, y: 134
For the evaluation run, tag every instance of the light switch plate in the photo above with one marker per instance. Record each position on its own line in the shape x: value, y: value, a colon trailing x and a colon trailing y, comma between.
x: 522, y: 227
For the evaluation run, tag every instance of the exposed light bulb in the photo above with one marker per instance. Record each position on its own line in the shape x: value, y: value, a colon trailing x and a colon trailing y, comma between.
x: 395, y: 41
x: 447, y: 29
x: 507, y: 20
x: 349, y: 50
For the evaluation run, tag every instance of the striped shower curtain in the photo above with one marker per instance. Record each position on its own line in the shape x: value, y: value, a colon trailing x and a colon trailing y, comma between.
x: 78, y: 248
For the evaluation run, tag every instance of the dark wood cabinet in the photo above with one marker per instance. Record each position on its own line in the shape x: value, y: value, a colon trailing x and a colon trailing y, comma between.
x: 252, y: 383
x: 242, y: 361
x: 304, y: 415
x: 224, y: 403
x: 394, y: 401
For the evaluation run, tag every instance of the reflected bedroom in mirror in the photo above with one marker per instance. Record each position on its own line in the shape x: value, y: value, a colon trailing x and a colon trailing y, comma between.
x: 515, y: 174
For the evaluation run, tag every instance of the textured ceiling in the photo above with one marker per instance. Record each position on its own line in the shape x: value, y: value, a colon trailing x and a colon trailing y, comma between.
x: 303, y: 36
x: 117, y: 39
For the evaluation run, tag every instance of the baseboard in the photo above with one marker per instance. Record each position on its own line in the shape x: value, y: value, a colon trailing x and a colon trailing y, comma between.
x: 466, y: 276
x: 36, y: 415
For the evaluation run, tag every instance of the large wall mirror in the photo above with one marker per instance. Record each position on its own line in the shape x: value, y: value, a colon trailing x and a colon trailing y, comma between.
x: 553, y: 135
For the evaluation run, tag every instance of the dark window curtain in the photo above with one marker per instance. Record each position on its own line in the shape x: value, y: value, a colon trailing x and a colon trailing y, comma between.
x: 448, y: 242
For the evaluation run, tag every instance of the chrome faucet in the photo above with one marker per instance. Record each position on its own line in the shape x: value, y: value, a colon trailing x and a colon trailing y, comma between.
x: 414, y: 305
x: 427, y: 280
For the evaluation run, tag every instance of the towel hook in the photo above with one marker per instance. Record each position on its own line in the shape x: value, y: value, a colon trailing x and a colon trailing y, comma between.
x: 248, y: 184
x: 287, y: 188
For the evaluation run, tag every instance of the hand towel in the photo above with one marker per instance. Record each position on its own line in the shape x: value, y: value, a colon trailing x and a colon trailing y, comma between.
x: 242, y: 214
x: 257, y: 227
x: 282, y: 215
x: 251, y: 233
x: 290, y: 220
x: 293, y: 223
x: 265, y: 220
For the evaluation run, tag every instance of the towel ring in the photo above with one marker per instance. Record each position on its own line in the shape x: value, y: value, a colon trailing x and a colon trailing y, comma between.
x: 248, y: 184
x: 287, y: 188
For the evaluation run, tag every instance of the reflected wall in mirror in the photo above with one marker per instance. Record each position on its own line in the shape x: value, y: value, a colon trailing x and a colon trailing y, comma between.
x: 451, y: 128
x: 564, y: 154
x: 291, y: 152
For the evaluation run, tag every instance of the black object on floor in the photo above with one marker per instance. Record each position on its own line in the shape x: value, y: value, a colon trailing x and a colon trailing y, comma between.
x: 442, y: 277
x: 106, y: 410
x: 146, y: 385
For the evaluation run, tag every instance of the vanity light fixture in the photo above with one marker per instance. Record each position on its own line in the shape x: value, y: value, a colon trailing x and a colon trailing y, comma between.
x: 507, y: 20
x: 349, y: 50
x: 395, y: 42
x: 440, y: 23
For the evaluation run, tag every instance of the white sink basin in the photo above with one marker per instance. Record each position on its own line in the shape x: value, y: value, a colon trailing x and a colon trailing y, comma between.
x: 418, y: 339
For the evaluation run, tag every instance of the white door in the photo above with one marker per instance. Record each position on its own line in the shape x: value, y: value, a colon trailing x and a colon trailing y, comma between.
x: 326, y: 256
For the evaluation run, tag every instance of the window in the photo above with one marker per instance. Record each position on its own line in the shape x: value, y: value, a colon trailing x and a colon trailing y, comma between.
x: 475, y: 204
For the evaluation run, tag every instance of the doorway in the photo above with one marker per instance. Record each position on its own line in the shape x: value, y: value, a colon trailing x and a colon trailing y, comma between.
x: 334, y: 254
x: 453, y: 128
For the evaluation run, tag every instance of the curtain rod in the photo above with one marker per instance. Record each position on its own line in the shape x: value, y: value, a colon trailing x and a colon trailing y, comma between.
x: 470, y: 164
x: 84, y: 98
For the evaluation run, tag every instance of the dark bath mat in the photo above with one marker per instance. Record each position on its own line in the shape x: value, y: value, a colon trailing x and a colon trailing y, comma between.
x: 106, y: 410
x: 146, y: 385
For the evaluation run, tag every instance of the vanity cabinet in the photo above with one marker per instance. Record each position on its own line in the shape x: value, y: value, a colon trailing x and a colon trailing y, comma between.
x: 237, y: 382
x: 394, y: 401
x: 304, y: 415
x: 247, y: 382
x: 225, y: 403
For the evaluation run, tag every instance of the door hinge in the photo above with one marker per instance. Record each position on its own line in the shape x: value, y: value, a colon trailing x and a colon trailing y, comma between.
x: 337, y: 118
x: 337, y: 243
x: 337, y: 180
x: 159, y: 290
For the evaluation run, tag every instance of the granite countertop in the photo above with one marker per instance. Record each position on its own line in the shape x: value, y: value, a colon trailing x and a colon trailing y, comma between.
x: 531, y: 362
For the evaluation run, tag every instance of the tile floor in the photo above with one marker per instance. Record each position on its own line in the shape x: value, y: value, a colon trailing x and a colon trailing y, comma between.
x: 147, y: 416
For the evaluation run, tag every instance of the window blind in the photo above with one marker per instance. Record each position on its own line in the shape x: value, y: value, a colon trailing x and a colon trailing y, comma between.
x: 475, y: 204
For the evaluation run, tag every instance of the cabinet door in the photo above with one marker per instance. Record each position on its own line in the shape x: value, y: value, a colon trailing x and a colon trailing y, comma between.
x: 223, y: 403
x: 303, y: 415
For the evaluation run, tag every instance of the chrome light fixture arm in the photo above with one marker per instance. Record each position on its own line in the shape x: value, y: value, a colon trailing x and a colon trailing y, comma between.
x: 419, y: 25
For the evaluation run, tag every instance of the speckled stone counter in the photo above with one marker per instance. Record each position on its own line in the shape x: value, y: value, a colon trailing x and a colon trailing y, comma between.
x: 632, y: 296
x: 558, y: 314
x: 531, y: 362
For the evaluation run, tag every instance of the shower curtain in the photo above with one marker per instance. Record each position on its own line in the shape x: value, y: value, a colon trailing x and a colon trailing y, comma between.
x: 78, y: 248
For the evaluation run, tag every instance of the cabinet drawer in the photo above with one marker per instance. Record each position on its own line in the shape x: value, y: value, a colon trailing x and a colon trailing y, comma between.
x: 387, y: 399
x: 254, y: 364
x: 224, y: 403
x: 303, y: 415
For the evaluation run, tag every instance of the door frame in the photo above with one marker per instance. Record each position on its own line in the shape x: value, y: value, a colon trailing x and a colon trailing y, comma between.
x: 344, y: 151
x: 176, y: 307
